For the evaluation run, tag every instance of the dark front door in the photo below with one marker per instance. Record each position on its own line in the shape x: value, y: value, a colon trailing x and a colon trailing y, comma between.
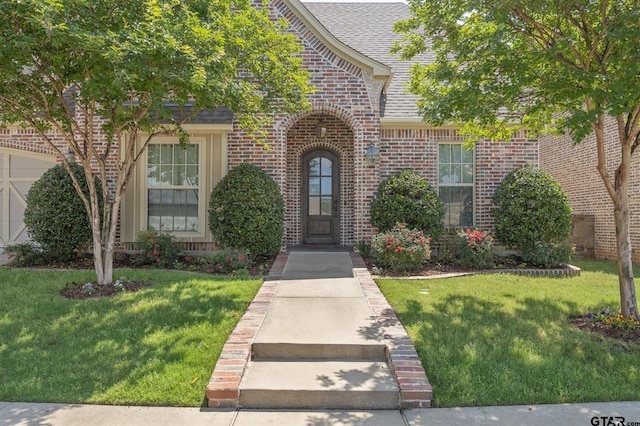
x: 320, y: 198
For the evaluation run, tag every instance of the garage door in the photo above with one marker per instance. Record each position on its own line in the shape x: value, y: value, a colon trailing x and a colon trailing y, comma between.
x: 18, y: 171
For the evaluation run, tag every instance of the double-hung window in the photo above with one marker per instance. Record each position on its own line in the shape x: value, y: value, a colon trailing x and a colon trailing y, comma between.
x: 173, y: 187
x: 456, y: 183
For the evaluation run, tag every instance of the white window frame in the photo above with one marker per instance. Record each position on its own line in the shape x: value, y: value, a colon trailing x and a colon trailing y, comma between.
x: 202, y: 220
x: 471, y: 185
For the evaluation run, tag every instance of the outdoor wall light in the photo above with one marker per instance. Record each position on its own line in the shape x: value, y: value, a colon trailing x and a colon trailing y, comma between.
x: 372, y: 155
x: 71, y: 156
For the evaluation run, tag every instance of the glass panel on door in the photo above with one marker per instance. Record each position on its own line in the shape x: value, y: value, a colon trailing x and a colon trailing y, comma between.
x: 320, y: 186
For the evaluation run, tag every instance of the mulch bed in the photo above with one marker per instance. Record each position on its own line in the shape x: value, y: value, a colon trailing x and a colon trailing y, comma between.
x: 624, y: 337
x: 75, y: 290
x: 436, y: 268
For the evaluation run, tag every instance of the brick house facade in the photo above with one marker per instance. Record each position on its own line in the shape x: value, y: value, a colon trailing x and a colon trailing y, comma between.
x: 317, y: 157
x: 575, y: 168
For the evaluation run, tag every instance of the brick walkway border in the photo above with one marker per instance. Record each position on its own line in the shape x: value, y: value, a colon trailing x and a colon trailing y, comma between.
x: 223, y: 388
x: 403, y: 360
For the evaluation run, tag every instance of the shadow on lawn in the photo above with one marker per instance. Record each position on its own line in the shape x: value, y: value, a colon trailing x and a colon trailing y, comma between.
x: 162, y: 340
x: 477, y: 353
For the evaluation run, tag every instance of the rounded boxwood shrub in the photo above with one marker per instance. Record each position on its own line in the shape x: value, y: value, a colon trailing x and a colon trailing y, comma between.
x: 246, y: 211
x: 406, y: 197
x: 531, y: 209
x: 55, y: 216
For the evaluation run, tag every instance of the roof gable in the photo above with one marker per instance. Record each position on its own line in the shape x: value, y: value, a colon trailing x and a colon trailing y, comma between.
x: 367, y: 28
x: 378, y: 69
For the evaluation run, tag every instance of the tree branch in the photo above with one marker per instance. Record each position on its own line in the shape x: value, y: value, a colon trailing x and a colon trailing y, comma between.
x: 543, y: 36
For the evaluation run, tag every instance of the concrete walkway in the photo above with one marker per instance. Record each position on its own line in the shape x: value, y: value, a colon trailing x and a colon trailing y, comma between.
x: 298, y: 291
x: 319, y: 334
x: 320, y: 344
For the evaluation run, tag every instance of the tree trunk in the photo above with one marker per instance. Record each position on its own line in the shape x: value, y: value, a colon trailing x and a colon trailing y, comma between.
x: 98, y: 263
x: 620, y: 198
x: 103, y: 252
x: 618, y: 190
x: 628, y: 300
x: 104, y: 242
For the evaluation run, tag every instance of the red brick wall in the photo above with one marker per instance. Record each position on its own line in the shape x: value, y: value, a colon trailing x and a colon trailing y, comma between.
x: 575, y: 168
x: 493, y: 161
x: 28, y: 140
x: 418, y: 149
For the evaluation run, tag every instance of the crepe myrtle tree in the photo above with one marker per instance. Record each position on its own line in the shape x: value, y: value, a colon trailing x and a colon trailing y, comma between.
x: 94, y: 78
x: 556, y: 66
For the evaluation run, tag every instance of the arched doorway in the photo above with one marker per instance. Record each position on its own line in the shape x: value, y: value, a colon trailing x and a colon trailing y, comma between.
x: 320, y: 197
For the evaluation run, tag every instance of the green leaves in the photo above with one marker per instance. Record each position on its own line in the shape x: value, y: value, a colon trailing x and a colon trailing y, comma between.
x: 128, y: 59
x: 406, y: 197
x: 507, y: 63
x: 532, y: 210
x: 246, y: 211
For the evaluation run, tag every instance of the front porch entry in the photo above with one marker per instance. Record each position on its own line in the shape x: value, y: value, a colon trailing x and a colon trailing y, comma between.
x: 320, y: 194
x: 320, y: 187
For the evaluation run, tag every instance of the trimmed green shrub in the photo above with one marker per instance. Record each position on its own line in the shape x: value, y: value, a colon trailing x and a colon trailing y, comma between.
x: 548, y: 255
x: 55, y: 216
x: 157, y: 248
x: 531, y: 209
x: 406, y: 197
x: 246, y: 211
x: 401, y: 248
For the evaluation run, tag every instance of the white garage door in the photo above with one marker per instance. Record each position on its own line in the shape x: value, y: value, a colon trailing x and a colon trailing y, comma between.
x: 18, y: 171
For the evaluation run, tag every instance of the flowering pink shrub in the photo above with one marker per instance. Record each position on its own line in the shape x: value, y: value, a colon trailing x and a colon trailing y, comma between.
x: 226, y: 261
x: 401, y: 248
x: 157, y: 248
x: 473, y: 248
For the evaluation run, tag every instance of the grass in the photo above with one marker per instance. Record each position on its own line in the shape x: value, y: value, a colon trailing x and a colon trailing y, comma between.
x: 157, y: 346
x: 506, y: 339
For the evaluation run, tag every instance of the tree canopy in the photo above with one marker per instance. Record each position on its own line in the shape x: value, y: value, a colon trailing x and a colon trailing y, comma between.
x: 550, y: 65
x: 127, y: 59
x: 93, y: 76
x: 554, y: 66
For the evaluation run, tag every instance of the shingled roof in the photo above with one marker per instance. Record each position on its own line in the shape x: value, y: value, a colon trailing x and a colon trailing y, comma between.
x: 368, y: 28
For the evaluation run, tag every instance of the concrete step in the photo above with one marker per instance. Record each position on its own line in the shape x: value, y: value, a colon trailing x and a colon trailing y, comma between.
x: 320, y: 320
x: 354, y: 351
x: 318, y: 384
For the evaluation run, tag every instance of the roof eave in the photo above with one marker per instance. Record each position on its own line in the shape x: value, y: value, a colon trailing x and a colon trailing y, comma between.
x: 409, y: 123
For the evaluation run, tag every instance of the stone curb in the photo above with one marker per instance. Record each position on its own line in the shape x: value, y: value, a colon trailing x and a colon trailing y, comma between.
x: 568, y: 271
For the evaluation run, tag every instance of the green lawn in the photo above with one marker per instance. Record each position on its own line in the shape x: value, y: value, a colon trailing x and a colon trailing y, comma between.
x: 156, y: 346
x: 506, y: 339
